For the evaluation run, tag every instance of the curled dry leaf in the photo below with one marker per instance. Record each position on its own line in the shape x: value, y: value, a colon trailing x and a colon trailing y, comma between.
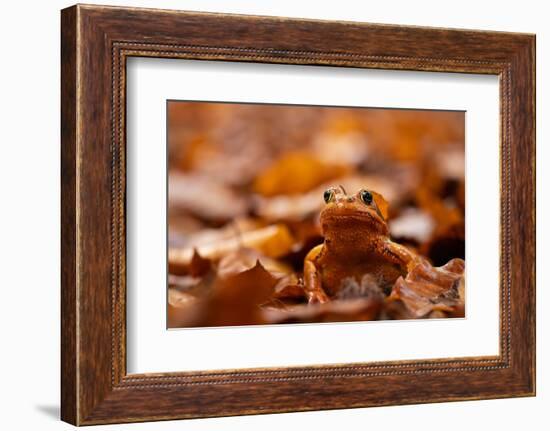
x: 289, y: 287
x: 428, y: 289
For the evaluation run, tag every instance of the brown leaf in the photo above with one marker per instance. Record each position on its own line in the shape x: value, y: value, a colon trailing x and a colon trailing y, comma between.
x: 289, y: 287
x: 236, y: 300
x: 199, y: 266
x: 272, y: 241
x: 334, y: 311
x: 195, y: 267
x: 246, y: 258
x: 183, y: 309
x: 428, y: 289
x: 288, y: 291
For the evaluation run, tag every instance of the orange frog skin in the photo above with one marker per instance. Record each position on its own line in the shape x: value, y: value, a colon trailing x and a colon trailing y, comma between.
x: 356, y: 244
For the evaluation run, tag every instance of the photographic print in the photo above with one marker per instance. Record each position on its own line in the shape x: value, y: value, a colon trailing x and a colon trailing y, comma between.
x: 250, y: 211
x: 284, y: 214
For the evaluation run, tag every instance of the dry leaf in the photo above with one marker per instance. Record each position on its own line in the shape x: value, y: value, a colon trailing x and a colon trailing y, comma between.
x: 272, y: 241
x: 246, y: 258
x: 427, y: 289
x: 236, y: 300
x: 333, y: 311
x: 196, y: 267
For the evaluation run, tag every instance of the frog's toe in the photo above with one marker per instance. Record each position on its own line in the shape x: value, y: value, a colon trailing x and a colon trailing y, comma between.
x: 318, y: 298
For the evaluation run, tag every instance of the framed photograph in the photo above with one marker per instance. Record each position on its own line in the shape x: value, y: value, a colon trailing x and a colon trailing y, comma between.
x: 264, y: 214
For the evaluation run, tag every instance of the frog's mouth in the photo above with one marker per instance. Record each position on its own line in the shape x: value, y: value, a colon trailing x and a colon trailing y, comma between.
x: 346, y: 218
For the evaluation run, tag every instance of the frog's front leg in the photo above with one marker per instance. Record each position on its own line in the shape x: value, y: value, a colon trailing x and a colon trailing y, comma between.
x: 399, y: 254
x: 312, y: 279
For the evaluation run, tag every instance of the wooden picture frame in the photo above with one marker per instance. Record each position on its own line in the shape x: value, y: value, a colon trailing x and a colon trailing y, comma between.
x: 95, y: 43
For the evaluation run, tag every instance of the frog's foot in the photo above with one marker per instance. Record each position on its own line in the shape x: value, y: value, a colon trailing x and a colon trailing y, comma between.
x: 317, y: 297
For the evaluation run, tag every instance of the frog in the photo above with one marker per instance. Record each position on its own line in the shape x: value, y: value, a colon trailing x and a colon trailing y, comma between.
x: 356, y: 244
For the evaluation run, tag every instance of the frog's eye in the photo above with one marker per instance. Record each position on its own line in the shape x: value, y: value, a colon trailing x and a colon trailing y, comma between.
x: 328, y: 195
x: 366, y: 196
